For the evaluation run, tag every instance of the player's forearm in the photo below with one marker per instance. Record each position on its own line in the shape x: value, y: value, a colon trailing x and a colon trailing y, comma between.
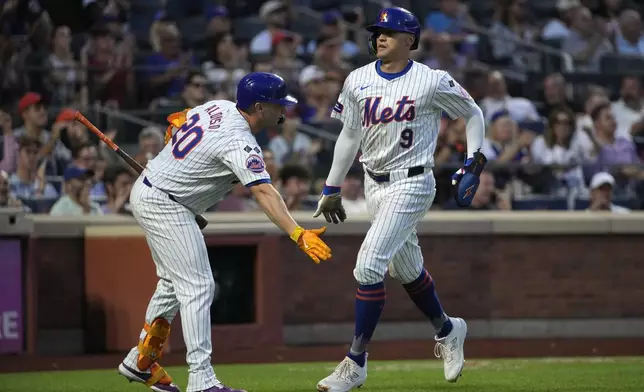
x: 273, y: 205
x: 474, y: 130
x: 346, y: 148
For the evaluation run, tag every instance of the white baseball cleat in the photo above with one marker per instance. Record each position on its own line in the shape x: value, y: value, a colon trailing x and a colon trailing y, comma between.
x: 450, y: 349
x: 346, y: 376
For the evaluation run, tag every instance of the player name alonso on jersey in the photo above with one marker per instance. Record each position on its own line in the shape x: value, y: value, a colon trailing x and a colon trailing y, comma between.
x: 399, y: 114
x: 210, y: 153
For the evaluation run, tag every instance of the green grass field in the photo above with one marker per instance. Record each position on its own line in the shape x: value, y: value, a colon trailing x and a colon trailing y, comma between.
x: 552, y: 374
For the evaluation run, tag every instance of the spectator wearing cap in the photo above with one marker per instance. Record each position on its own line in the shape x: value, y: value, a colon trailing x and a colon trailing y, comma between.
x: 28, y: 182
x: 317, y: 103
x: 118, y: 182
x: 275, y: 15
x: 498, y: 99
x: 629, y: 39
x: 218, y: 20
x: 333, y: 25
x: 505, y: 143
x: 76, y: 200
x: 8, y: 145
x: 168, y: 68
x: 85, y: 156
x: 328, y: 54
x: 34, y: 117
x: 601, y: 194
x: 284, y: 57
x: 559, y: 28
x: 225, y: 64
x: 586, y: 42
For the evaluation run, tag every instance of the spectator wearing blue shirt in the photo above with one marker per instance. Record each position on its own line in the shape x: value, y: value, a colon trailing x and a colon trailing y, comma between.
x: 452, y: 18
x: 28, y: 182
x: 334, y: 26
x: 629, y: 39
x: 167, y: 69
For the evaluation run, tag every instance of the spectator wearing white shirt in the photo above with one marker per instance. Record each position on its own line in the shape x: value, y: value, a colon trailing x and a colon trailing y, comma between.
x: 274, y: 13
x: 629, y: 109
x: 559, y: 28
x: 353, y: 199
x: 497, y: 99
x: 560, y: 146
x: 601, y: 194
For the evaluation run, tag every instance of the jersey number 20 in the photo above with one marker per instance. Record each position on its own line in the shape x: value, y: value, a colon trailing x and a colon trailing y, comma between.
x: 406, y: 138
x: 186, y: 138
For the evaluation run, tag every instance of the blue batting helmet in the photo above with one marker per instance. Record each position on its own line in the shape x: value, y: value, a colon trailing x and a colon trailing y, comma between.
x: 395, y: 19
x: 262, y: 87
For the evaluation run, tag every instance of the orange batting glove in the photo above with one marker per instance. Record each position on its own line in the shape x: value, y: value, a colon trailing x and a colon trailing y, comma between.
x: 311, y: 243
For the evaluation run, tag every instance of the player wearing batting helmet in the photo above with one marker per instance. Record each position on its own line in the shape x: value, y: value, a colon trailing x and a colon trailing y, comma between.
x: 263, y: 96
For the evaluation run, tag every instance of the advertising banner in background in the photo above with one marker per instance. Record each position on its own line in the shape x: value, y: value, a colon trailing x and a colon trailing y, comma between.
x: 11, y: 331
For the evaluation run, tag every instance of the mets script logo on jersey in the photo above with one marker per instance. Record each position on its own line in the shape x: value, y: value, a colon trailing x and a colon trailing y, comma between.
x: 255, y: 163
x: 404, y: 111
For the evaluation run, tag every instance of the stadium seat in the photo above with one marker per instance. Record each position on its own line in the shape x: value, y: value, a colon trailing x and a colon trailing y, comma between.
x: 611, y: 64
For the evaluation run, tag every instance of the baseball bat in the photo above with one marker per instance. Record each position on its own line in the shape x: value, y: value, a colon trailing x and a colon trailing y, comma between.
x: 78, y: 116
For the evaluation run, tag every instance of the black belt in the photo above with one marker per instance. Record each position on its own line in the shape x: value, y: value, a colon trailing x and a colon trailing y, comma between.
x: 149, y: 185
x: 414, y: 171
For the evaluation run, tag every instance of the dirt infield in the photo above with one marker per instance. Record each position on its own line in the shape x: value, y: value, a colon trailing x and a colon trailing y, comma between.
x: 475, y: 348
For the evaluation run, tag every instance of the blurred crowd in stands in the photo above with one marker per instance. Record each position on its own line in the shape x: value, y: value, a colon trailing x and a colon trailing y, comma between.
x: 559, y: 81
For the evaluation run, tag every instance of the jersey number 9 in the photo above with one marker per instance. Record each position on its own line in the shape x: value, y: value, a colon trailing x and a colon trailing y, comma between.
x: 186, y: 138
x: 406, y: 138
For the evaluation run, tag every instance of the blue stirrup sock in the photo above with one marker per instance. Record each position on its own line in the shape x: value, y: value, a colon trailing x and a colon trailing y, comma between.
x: 423, y: 293
x: 370, y: 299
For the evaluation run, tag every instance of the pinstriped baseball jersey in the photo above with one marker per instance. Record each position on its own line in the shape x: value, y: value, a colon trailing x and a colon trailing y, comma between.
x: 211, y: 152
x: 399, y: 114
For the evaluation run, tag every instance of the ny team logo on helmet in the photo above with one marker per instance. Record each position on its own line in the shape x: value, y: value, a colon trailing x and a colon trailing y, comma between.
x: 394, y: 19
x: 262, y: 87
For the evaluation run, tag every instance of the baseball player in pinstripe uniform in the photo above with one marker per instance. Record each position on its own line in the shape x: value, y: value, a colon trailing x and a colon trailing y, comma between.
x: 212, y: 149
x: 393, y: 108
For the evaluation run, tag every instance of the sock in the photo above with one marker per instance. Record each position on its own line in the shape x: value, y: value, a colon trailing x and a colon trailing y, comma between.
x: 370, y: 299
x: 423, y: 293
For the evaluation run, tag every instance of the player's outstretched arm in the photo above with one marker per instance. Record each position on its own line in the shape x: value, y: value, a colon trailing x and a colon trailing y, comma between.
x: 456, y: 102
x: 273, y: 205
x: 330, y: 203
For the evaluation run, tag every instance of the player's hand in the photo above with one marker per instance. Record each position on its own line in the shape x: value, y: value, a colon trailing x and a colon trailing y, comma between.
x: 330, y: 205
x: 466, y: 179
x: 311, y: 243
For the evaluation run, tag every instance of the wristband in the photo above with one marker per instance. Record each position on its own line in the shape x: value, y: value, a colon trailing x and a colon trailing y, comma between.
x: 330, y: 190
x: 295, y: 235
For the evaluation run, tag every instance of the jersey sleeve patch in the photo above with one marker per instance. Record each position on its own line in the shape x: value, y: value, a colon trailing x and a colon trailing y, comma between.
x: 338, y: 108
x: 255, y: 163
